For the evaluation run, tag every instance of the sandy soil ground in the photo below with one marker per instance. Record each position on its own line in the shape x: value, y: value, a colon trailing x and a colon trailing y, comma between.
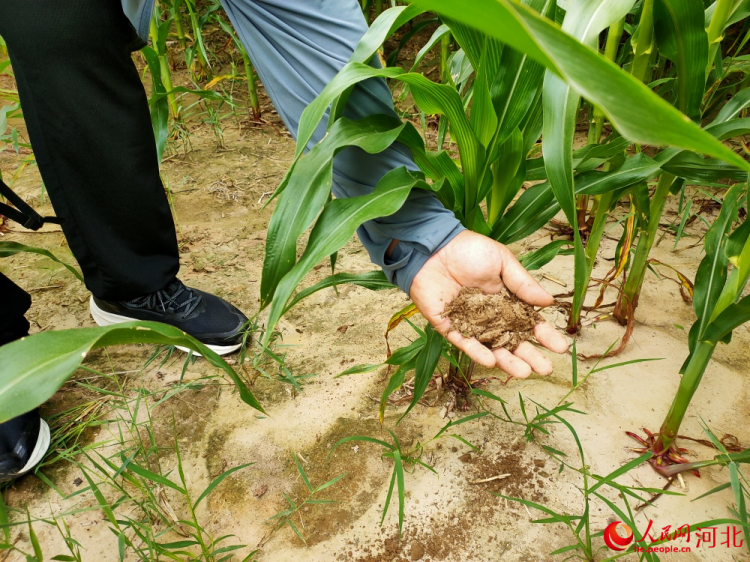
x: 218, y: 196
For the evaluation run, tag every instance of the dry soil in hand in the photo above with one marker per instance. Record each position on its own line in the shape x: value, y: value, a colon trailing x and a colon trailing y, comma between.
x: 499, y: 320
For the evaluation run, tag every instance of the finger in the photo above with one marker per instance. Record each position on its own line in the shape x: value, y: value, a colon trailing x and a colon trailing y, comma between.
x: 531, y: 355
x: 511, y: 364
x: 472, y: 348
x: 521, y: 283
x: 551, y: 338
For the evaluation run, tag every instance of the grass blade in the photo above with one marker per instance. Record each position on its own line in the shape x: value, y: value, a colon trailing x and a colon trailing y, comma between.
x: 398, y: 470
x: 218, y: 481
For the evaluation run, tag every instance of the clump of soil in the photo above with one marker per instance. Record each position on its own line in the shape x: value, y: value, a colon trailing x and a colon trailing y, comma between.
x: 499, y: 320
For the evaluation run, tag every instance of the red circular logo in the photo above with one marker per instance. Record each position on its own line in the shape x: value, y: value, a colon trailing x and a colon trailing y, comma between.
x: 615, y: 540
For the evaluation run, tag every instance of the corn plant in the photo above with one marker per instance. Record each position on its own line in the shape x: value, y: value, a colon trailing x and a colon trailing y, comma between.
x: 676, y: 33
x: 176, y: 14
x: 677, y: 29
x: 508, y: 46
x: 167, y: 113
x: 196, y: 56
x: 719, y: 307
x: 250, y: 76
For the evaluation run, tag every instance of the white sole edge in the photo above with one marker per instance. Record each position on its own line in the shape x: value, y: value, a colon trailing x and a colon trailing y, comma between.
x: 104, y: 318
x: 40, y: 449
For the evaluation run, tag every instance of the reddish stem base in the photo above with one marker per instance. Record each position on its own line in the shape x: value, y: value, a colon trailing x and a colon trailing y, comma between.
x: 661, y: 459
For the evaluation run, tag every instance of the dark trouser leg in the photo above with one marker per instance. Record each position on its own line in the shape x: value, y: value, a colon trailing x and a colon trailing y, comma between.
x: 18, y: 437
x: 88, y: 121
x: 14, y: 302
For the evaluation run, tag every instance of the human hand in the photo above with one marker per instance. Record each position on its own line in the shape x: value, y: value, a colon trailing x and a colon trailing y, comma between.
x: 473, y: 260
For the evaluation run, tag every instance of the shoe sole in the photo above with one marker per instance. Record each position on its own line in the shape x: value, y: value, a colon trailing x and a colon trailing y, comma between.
x: 104, y: 318
x: 40, y: 449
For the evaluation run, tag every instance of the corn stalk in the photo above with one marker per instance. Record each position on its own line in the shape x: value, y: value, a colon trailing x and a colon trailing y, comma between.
x: 252, y: 82
x: 720, y: 309
x: 158, y: 35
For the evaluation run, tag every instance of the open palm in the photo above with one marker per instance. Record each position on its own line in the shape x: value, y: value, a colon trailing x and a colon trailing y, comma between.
x: 473, y: 260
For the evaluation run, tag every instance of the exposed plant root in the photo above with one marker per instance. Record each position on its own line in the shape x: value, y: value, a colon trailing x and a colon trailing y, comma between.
x: 655, y: 497
x: 662, y: 459
x: 728, y: 441
x: 621, y: 347
x: 598, y: 306
x: 564, y: 230
x: 451, y: 384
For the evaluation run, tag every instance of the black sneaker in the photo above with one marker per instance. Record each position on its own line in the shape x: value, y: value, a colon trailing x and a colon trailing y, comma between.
x: 23, y: 443
x: 211, y: 320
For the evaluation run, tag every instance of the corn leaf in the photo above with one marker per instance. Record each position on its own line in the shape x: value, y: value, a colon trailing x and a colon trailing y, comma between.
x: 733, y: 316
x: 160, y: 107
x: 637, y: 169
x: 308, y: 189
x: 699, y: 170
x: 435, y: 165
x: 584, y: 21
x: 373, y: 280
x: 505, y: 175
x: 737, y: 103
x: 439, y: 33
x: 34, y: 368
x: 8, y: 249
x: 381, y: 29
x: 681, y: 37
x: 730, y: 129
x: 537, y: 205
x: 426, y: 363
x: 396, y: 381
x: 738, y: 252
x: 537, y: 259
x: 634, y: 110
x: 336, y: 225
x: 712, y: 271
x: 515, y: 87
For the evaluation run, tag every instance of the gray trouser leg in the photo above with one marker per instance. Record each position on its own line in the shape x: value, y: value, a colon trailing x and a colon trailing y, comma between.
x: 297, y: 47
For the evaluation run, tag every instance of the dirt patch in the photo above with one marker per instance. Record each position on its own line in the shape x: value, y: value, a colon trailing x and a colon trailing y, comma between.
x: 354, y: 494
x: 499, y: 320
x: 510, y: 472
x: 442, y: 539
x: 184, y: 416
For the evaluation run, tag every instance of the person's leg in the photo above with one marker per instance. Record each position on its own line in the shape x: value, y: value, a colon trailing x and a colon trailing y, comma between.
x: 297, y: 48
x: 88, y: 120
x: 23, y: 440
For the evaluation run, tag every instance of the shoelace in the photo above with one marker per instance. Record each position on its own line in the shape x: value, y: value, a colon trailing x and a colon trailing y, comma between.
x: 168, y: 297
